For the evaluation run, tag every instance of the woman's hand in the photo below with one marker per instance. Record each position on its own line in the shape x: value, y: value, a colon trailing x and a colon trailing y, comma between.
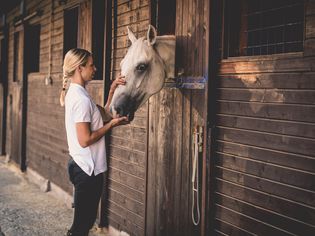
x: 86, y: 137
x: 119, y: 121
x: 118, y: 81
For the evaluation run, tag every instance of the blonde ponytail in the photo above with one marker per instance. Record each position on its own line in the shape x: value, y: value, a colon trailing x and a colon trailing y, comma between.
x: 73, y: 58
x: 63, y: 91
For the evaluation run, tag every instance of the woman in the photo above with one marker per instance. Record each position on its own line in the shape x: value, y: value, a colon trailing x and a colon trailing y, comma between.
x: 85, y: 136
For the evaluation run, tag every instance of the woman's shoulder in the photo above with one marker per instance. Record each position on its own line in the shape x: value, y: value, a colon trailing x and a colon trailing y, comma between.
x: 78, y: 98
x: 75, y: 97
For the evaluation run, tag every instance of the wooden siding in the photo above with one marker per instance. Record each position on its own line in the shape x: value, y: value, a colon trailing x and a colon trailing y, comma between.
x: 265, y: 138
x: 173, y: 115
x: 46, y: 145
x: 128, y: 144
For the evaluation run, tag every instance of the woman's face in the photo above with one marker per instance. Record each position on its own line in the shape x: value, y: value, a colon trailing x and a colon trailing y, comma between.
x: 88, y: 71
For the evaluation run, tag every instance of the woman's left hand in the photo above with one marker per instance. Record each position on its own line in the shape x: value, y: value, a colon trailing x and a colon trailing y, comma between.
x: 118, y: 81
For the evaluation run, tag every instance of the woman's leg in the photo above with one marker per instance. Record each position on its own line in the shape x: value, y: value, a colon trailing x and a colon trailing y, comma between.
x: 95, y: 199
x: 87, y: 194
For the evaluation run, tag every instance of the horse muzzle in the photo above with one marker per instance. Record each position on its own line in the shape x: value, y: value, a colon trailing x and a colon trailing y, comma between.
x: 124, y: 107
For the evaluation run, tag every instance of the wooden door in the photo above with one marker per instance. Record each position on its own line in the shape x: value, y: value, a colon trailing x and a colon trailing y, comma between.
x: 175, y: 114
x: 16, y: 94
x: 22, y: 66
x: 3, y: 88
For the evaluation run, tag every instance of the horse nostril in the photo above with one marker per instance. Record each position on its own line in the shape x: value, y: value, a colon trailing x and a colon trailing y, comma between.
x: 120, y: 111
x: 130, y: 116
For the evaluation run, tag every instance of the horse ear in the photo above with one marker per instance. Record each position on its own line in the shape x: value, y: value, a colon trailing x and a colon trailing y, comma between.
x: 151, y: 35
x: 131, y: 35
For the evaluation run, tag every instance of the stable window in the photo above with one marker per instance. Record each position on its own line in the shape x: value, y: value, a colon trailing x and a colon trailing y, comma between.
x: 263, y: 27
x: 32, y: 49
x: 1, y: 59
x: 163, y: 16
x: 98, y: 27
x: 16, y: 56
x: 70, y: 29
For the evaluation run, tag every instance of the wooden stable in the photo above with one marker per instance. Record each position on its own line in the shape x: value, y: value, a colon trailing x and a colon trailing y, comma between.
x: 245, y: 81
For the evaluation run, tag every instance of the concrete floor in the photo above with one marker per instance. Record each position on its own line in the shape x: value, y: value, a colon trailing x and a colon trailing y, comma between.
x: 25, y: 210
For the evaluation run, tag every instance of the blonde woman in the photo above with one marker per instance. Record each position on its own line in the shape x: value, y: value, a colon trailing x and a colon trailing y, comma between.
x: 85, y: 135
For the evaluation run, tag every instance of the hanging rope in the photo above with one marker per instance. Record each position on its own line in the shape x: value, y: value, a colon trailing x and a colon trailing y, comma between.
x: 195, y: 181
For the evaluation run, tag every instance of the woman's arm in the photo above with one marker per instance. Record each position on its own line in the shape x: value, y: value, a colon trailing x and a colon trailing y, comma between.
x: 86, y: 137
x: 118, y: 81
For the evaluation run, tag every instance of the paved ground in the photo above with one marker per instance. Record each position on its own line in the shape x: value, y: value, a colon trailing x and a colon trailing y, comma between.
x: 27, y: 211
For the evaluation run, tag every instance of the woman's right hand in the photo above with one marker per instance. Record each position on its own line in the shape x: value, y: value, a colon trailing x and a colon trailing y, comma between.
x: 119, y: 121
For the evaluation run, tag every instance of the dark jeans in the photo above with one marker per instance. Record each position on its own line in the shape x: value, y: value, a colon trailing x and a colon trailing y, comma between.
x: 88, y: 190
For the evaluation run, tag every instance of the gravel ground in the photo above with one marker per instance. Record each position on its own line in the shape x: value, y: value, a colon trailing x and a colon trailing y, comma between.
x: 27, y: 211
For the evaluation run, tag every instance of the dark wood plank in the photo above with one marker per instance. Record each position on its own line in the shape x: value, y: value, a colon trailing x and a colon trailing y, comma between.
x: 130, y: 143
x: 279, y: 205
x: 130, y: 132
x: 284, y: 159
x: 301, y: 113
x: 310, y: 7
x: 162, y: 160
x: 268, y: 95
x: 268, y: 217
x: 246, y: 222
x: 131, y: 5
x: 191, y: 38
x: 176, y: 160
x: 303, y: 80
x: 127, y: 179
x: 259, y: 182
x: 310, y: 26
x: 85, y: 25
x: 269, y: 141
x: 283, y: 127
x: 55, y: 172
x: 152, y: 168
x: 115, y: 219
x: 129, y: 204
x: 309, y: 47
x: 228, y: 229
x: 122, y: 210
x: 296, y: 63
x: 132, y: 169
x: 127, y: 155
x: 128, y: 192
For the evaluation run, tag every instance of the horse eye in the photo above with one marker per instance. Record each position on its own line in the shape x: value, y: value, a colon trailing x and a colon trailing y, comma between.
x: 141, y: 67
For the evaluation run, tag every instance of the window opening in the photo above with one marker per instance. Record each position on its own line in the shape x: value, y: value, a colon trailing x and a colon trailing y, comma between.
x: 70, y: 29
x: 264, y: 27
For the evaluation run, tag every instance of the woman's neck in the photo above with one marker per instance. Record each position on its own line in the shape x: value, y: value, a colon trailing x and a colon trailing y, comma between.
x: 79, y: 81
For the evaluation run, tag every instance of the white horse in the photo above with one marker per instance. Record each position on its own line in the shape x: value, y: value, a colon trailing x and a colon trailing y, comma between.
x: 148, y: 62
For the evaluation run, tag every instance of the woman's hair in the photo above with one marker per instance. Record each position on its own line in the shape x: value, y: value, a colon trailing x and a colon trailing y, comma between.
x: 73, y: 58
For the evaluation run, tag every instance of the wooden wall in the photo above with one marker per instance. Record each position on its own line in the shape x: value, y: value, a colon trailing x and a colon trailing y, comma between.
x: 46, y: 146
x: 150, y: 159
x: 264, y: 149
x: 128, y: 144
x: 265, y: 156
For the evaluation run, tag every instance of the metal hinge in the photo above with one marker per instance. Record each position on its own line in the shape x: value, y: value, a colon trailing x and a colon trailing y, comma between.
x: 190, y: 82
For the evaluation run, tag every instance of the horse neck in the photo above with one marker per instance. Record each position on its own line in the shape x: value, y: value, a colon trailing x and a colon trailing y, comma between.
x: 165, y: 47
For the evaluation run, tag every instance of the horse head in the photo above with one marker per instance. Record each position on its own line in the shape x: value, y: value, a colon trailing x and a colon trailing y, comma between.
x: 148, y: 62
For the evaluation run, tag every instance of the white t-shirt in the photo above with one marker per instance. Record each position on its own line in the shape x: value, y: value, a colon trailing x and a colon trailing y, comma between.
x: 81, y: 108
